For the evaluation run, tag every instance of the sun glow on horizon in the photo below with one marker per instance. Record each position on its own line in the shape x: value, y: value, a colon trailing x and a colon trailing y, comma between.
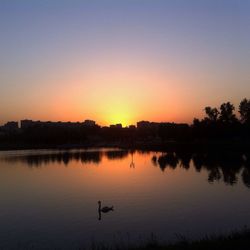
x: 116, y: 113
x: 121, y: 62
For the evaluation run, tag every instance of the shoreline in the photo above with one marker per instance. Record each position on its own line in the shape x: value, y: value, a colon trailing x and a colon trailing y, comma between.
x: 235, y: 240
x: 235, y: 146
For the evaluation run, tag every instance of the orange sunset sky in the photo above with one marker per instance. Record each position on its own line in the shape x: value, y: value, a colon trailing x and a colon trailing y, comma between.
x: 122, y: 61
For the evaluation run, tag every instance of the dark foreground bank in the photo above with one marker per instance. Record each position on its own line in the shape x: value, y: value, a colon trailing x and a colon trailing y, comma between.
x: 236, y: 240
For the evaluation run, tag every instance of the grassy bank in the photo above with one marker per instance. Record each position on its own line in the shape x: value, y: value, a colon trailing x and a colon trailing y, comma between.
x: 237, y: 240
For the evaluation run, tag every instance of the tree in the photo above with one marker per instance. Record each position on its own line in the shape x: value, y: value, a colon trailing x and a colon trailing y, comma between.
x: 212, y: 113
x: 227, y: 113
x: 244, y: 110
x: 196, y: 122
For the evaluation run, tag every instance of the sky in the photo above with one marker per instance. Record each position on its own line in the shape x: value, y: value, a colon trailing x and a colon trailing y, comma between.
x: 122, y: 61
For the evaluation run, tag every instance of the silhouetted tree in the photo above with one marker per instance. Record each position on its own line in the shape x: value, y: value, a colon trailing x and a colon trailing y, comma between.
x: 196, y: 122
x: 227, y: 113
x: 244, y: 110
x: 212, y: 114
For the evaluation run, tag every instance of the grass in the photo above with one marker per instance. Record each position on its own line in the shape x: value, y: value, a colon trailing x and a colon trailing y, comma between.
x: 236, y: 240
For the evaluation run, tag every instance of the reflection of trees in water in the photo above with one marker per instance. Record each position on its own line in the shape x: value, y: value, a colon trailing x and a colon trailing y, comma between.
x: 168, y: 159
x: 91, y: 157
x: 246, y: 158
x: 198, y: 161
x: 61, y: 158
x: 226, y: 166
x: 144, y: 152
x: 221, y: 165
x: 246, y: 172
x: 184, y: 158
x: 154, y: 160
x: 66, y: 157
x: 214, y: 175
x: 246, y: 177
x: 116, y: 154
x: 172, y: 159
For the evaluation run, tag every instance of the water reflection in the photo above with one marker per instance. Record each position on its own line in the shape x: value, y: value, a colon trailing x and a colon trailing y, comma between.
x: 223, y: 165
x: 36, y: 160
x: 132, y: 164
x: 52, y: 195
x: 117, y: 154
x: 168, y: 160
x: 226, y: 166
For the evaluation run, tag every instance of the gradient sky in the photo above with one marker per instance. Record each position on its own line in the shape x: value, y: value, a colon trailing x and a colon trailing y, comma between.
x: 122, y: 61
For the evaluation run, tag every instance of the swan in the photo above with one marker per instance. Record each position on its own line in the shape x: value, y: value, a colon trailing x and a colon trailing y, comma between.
x: 104, y: 209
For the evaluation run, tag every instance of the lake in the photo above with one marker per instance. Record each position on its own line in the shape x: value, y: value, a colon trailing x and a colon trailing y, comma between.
x: 49, y: 198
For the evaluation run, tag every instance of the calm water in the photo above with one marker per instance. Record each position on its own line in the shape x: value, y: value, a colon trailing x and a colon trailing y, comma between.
x: 49, y: 198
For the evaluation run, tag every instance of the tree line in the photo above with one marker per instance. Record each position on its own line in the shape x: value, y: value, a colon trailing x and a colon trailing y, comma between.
x: 220, y: 123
